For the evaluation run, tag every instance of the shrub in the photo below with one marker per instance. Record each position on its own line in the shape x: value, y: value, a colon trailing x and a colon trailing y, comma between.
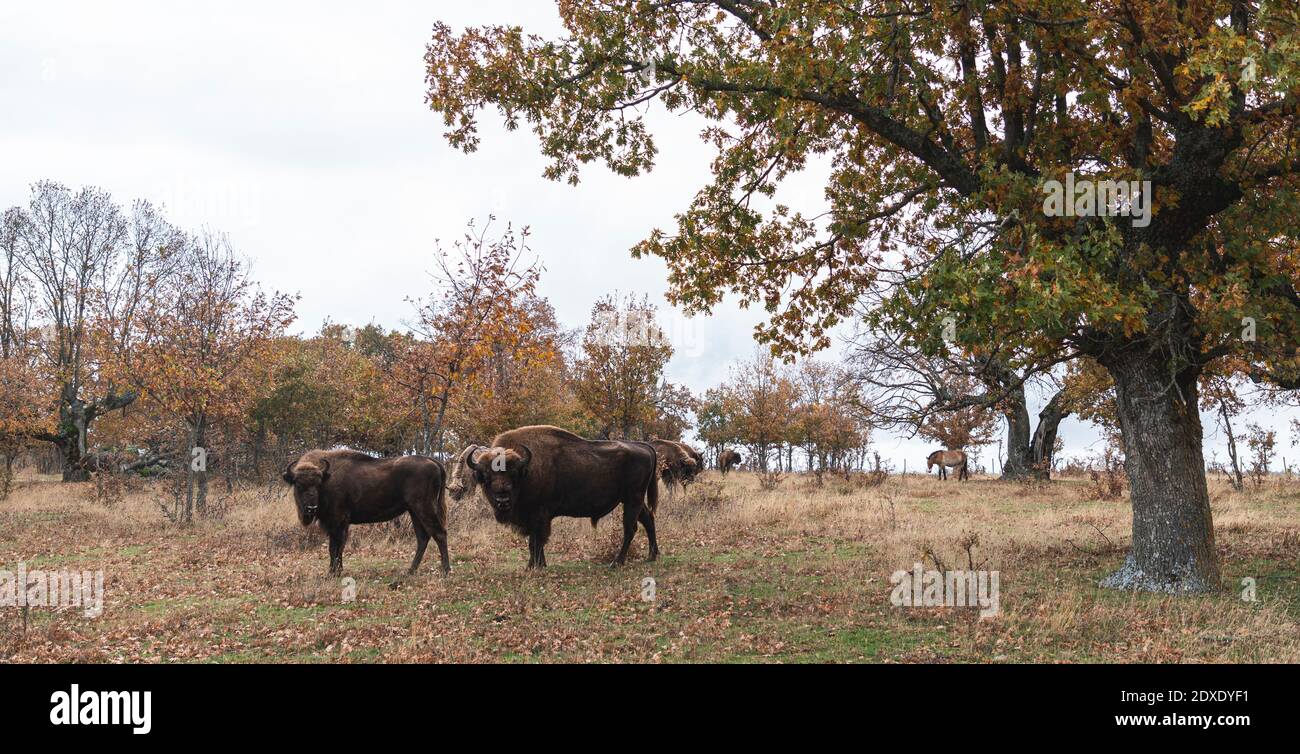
x: 770, y: 480
x: 1108, y: 477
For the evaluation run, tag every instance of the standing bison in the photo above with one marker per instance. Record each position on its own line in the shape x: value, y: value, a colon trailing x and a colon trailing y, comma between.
x: 693, y: 469
x: 678, y: 463
x: 728, y: 459
x: 532, y: 475
x: 697, y: 455
x: 338, y: 488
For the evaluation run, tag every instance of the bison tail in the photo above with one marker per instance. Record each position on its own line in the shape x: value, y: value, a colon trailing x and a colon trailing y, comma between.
x: 652, y: 494
x: 440, y: 499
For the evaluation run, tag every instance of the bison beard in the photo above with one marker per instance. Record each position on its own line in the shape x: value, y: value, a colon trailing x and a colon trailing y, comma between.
x: 338, y: 488
x: 533, y: 475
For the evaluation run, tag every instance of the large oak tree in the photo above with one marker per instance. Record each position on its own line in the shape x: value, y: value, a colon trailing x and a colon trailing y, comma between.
x: 941, y: 121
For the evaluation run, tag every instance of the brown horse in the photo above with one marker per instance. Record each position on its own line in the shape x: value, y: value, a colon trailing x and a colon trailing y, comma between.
x: 948, y: 459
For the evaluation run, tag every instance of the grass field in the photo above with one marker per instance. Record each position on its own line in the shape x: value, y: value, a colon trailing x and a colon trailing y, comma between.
x: 796, y: 574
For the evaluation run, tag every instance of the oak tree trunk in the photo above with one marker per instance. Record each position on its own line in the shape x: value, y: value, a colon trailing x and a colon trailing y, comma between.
x: 198, y: 464
x: 1031, y: 456
x: 74, y: 425
x: 1173, y: 534
x: 1043, y: 445
x: 75, y: 417
x: 1019, y: 464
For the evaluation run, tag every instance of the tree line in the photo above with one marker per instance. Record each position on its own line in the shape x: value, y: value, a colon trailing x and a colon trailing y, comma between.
x: 127, y: 343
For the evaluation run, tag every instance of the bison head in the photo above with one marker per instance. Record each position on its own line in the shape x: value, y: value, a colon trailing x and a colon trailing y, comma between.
x: 500, y: 472
x: 306, y: 478
x: 461, y: 479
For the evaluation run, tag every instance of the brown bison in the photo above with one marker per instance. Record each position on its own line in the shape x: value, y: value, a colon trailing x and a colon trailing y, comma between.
x: 679, y: 464
x: 460, y: 478
x: 696, y: 456
x: 533, y: 475
x: 338, y: 488
x: 727, y: 460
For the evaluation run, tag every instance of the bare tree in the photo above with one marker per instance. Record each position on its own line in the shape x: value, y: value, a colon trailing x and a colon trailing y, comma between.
x: 905, y: 387
x: 15, y: 289
x: 1223, y: 394
x: 482, y: 291
x: 90, y: 266
x: 18, y: 414
x: 199, y: 333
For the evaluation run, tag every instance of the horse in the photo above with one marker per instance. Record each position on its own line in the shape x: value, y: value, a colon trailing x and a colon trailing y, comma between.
x: 946, y: 459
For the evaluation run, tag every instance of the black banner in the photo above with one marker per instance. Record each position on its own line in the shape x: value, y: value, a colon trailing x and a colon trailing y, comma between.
x: 169, y: 703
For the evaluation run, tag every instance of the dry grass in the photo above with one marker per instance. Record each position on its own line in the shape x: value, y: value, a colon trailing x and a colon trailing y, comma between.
x: 796, y: 573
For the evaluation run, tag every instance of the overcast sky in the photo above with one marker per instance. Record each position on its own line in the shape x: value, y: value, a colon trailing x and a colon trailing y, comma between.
x: 300, y: 130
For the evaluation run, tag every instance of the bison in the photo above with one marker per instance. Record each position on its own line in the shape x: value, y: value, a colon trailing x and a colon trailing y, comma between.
x: 728, y: 459
x: 676, y: 466
x: 695, y: 455
x: 338, y: 488
x: 533, y: 475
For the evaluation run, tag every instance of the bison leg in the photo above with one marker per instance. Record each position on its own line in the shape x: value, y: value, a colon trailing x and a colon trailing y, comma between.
x: 338, y: 538
x: 536, y: 551
x: 538, y: 536
x: 427, y: 525
x: 440, y: 539
x: 648, y: 521
x: 421, y: 542
x: 630, y: 514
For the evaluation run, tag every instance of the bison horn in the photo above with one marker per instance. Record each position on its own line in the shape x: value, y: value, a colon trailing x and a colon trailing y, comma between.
x: 325, y: 469
x: 288, y: 472
x: 468, y: 455
x: 526, y: 454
